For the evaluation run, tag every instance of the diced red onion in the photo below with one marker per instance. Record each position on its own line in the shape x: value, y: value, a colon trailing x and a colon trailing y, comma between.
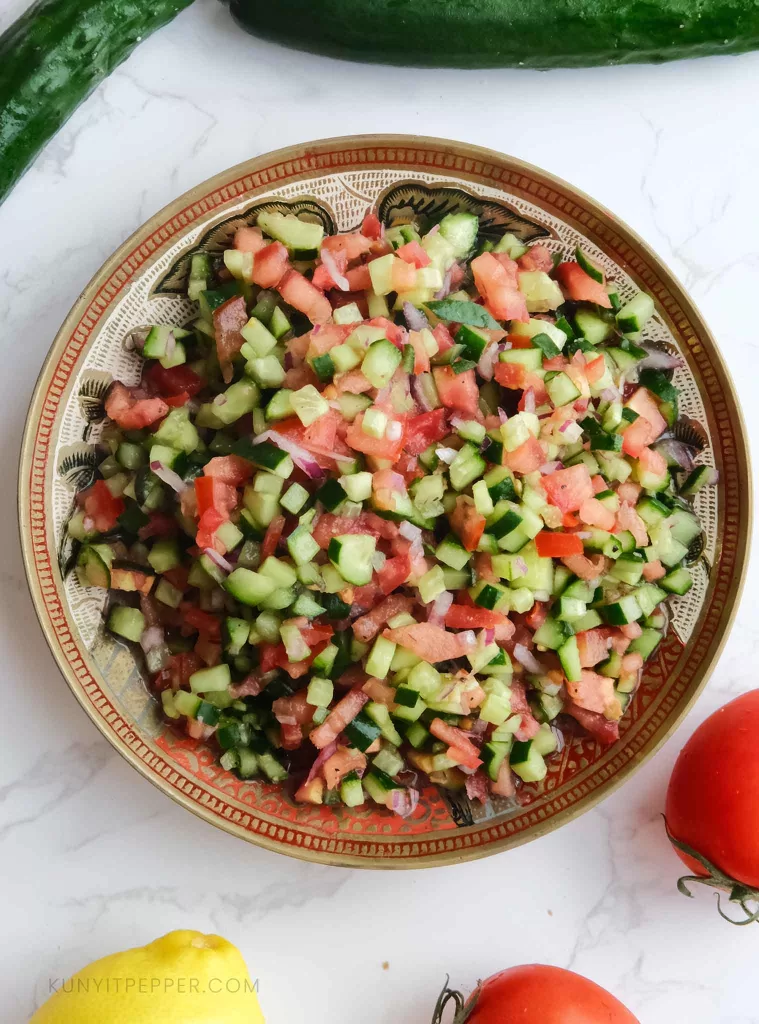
x: 383, y: 395
x: 89, y: 524
x: 171, y: 344
x: 467, y: 638
x: 486, y: 365
x: 467, y: 771
x: 446, y: 455
x: 572, y: 431
x: 521, y: 566
x: 220, y: 560
x: 151, y: 638
x: 439, y: 608
x: 399, y: 484
x: 529, y: 400
x: 216, y: 599
x: 502, y: 415
x: 712, y: 477
x: 415, y: 319
x: 324, y: 755
x: 420, y: 396
x: 289, y: 361
x: 505, y: 346
x: 433, y: 230
x: 542, y: 595
x: 583, y: 534
x: 611, y: 394
x: 136, y: 340
x: 169, y: 477
x: 447, y: 690
x: 404, y: 801
x: 394, y: 431
x: 220, y: 400
x: 550, y: 467
x: 341, y: 281
x: 528, y: 660
x: 488, y: 636
x: 675, y: 450
x: 378, y: 560
x: 303, y: 460
x: 445, y: 289
x: 657, y: 359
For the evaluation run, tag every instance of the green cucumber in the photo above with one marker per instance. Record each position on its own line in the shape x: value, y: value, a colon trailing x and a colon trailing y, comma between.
x: 53, y: 57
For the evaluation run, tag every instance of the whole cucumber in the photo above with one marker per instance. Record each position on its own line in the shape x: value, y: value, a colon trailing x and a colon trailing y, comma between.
x: 53, y: 57
x: 506, y: 33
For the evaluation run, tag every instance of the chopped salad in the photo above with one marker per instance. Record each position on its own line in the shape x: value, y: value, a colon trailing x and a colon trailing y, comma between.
x: 396, y: 505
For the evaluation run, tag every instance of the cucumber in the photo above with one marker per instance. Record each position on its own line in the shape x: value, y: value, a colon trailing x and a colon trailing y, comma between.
x: 502, y: 33
x: 298, y: 235
x: 352, y: 554
x: 53, y: 57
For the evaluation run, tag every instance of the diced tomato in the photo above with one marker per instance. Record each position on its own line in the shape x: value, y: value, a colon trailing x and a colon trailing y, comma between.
x: 177, y: 577
x: 495, y: 277
x: 101, y: 506
x: 461, y: 748
x: 599, y: 484
x: 537, y: 614
x: 329, y: 526
x: 311, y: 792
x: 359, y: 279
x: 443, y: 338
x: 628, y: 519
x: 291, y: 736
x: 629, y: 492
x: 412, y: 252
x: 351, y: 246
x: 272, y: 535
x: 504, y: 784
x: 200, y: 621
x: 298, y: 291
x: 326, y: 337
x: 392, y: 331
x: 483, y: 566
x: 569, y: 520
x: 537, y: 257
x: 580, y: 287
x: 402, y: 276
x: 593, y: 645
x: 230, y: 469
x: 647, y: 427
x: 379, y: 447
x: 343, y: 761
x: 316, y: 634
x: 367, y: 626
x: 176, y: 381
x: 208, y: 650
x: 294, y: 710
x: 595, y: 369
x: 632, y: 630
x: 214, y: 493
x: 460, y: 616
x: 653, y: 571
x: 371, y: 226
x: 379, y: 692
x: 467, y: 523
x: 127, y: 407
x: 342, y: 714
x: 270, y: 264
x: 421, y: 356
x: 249, y: 240
x: 510, y: 375
x: 519, y: 705
x: 393, y: 573
x: 177, y: 401
x: 557, y: 545
x: 424, y: 430
x: 228, y: 319
x: 568, y: 488
x: 594, y: 692
x: 428, y: 642
x: 181, y: 667
x: 587, y: 568
x: 208, y: 524
x: 652, y: 461
x: 526, y: 458
x: 457, y: 390
x: 593, y: 512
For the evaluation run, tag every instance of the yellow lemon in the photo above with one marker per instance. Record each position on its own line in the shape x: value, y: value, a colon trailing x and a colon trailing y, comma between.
x: 184, y: 978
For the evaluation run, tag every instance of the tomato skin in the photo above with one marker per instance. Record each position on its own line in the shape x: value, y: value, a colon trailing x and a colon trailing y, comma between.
x: 558, y: 545
x: 581, y: 287
x: 173, y: 382
x: 539, y: 994
x: 424, y: 430
x: 713, y: 794
x: 457, y: 390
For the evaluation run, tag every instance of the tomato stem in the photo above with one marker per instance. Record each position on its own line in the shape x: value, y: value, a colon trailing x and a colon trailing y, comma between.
x: 743, y: 895
x: 449, y: 995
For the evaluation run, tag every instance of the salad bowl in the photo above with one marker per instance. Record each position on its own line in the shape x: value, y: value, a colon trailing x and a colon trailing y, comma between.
x: 334, y: 182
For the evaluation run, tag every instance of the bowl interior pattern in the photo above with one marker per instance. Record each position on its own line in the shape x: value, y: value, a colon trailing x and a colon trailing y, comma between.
x: 144, y: 282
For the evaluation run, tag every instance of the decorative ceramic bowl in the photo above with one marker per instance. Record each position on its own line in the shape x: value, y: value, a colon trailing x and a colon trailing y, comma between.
x: 335, y: 181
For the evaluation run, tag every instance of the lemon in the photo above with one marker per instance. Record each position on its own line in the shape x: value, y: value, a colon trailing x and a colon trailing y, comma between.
x: 183, y: 978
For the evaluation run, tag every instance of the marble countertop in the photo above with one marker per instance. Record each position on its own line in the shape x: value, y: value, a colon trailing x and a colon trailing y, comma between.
x: 93, y: 858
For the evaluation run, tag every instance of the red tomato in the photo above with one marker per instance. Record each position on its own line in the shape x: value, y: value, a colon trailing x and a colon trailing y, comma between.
x: 713, y: 795
x: 412, y: 252
x: 329, y: 526
x: 519, y: 341
x: 605, y: 731
x: 228, y: 319
x: 421, y: 356
x: 510, y: 375
x: 159, y: 525
x: 371, y: 226
x: 648, y: 426
x: 595, y: 369
x: 298, y: 291
x: 459, y: 616
x: 249, y: 240
x: 467, y: 523
x: 443, y: 338
x: 270, y: 265
x: 581, y: 287
x: 126, y: 407
x: 568, y: 488
x: 173, y: 382
x: 101, y: 506
x: 538, y: 994
x: 208, y: 524
x: 558, y: 545
x: 230, y: 469
x: 526, y: 458
x: 424, y: 430
x: 537, y: 257
x: 272, y: 535
x: 495, y: 276
x: 393, y: 573
x: 359, y: 279
x: 351, y: 246
x: 457, y: 390
x: 203, y: 622
x: 212, y: 492
x: 465, y: 751
x: 379, y: 447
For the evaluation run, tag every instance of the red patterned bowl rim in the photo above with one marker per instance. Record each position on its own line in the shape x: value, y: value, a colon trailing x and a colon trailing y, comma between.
x: 685, y: 670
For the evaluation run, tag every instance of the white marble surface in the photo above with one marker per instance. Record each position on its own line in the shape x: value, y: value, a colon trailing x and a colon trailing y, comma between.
x: 92, y: 857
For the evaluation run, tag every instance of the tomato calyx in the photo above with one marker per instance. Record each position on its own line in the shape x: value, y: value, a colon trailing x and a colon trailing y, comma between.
x: 742, y: 895
x: 462, y: 1008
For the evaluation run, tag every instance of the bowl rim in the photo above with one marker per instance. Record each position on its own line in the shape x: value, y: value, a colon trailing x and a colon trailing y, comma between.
x: 603, y: 216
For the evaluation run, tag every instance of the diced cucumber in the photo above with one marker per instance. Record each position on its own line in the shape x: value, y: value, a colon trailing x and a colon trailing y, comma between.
x: 351, y: 791
x: 622, y: 612
x: 378, y: 662
x: 298, y: 235
x: 249, y: 587
x: 460, y: 230
x: 569, y: 656
x: 635, y: 314
x: 352, y: 554
x: 126, y: 622
x: 467, y: 466
x: 677, y: 582
x: 527, y: 762
x: 207, y: 680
